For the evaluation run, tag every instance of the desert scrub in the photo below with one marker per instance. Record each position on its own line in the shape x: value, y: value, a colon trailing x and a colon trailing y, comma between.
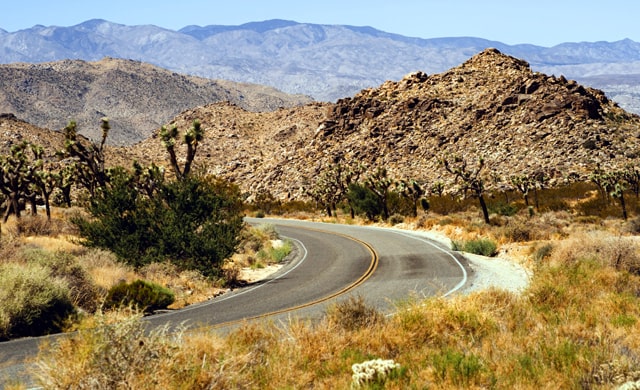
x: 82, y: 290
x: 34, y: 303
x: 141, y: 294
x: 275, y: 251
x: 105, y: 355
x: 353, y: 313
x: 480, y: 246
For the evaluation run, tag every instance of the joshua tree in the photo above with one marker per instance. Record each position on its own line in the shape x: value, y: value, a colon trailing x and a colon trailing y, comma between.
x: 469, y: 179
x: 438, y: 188
x: 191, y: 138
x: 379, y: 183
x: 332, y: 185
x: 13, y: 168
x: 89, y: 159
x: 148, y: 179
x: 412, y: 190
x: 523, y: 183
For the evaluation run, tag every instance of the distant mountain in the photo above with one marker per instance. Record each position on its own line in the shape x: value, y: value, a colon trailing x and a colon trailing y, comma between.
x: 137, y: 97
x: 325, y: 61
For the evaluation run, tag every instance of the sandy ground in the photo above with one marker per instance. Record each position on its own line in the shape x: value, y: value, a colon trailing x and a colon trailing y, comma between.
x: 501, y: 272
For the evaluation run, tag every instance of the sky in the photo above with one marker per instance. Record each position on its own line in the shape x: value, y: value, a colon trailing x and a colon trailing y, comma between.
x: 539, y: 22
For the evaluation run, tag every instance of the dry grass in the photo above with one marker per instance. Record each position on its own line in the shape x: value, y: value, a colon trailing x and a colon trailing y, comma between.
x: 577, y: 325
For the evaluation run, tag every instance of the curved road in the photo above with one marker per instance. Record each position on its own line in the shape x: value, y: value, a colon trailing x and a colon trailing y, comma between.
x: 382, y: 265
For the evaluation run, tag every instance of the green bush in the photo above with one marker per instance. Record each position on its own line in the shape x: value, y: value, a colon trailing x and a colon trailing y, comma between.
x: 364, y: 202
x: 194, y: 222
x: 141, y: 294
x: 480, y: 246
x: 33, y: 302
x: 504, y: 209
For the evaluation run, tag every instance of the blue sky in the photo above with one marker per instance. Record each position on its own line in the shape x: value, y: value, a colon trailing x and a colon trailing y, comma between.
x: 540, y: 22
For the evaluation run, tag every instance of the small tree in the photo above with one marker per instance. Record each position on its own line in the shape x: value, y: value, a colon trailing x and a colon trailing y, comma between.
x: 191, y: 138
x: 88, y: 159
x: 411, y: 189
x: 523, y: 183
x: 379, y: 183
x: 469, y: 179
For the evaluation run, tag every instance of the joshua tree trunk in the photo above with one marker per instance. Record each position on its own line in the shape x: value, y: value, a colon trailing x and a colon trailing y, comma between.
x: 485, y: 212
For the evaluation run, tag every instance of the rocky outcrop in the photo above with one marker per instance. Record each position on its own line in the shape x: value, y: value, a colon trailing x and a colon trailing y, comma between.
x: 492, y: 106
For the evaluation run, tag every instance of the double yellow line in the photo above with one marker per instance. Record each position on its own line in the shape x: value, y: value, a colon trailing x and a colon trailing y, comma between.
x: 372, y: 267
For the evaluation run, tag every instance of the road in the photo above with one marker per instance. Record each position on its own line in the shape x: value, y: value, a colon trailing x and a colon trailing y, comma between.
x: 332, y: 261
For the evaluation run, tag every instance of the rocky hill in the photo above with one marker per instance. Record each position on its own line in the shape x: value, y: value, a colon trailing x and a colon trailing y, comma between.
x: 327, y: 62
x: 492, y: 106
x: 137, y: 97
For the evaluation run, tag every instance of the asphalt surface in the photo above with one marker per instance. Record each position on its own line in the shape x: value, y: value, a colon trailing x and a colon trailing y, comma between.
x: 331, y: 262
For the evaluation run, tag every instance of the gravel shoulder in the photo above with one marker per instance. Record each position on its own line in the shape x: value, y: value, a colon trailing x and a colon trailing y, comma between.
x: 501, y: 272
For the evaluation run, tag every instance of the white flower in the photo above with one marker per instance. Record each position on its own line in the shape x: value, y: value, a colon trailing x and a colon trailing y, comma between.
x: 372, y: 370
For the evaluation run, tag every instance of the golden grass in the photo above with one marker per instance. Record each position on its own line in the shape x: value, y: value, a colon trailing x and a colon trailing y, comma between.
x: 577, y: 325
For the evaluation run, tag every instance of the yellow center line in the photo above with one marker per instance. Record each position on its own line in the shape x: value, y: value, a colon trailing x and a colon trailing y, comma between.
x: 372, y: 267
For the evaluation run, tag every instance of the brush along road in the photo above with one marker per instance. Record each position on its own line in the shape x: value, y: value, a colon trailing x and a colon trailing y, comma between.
x: 330, y: 262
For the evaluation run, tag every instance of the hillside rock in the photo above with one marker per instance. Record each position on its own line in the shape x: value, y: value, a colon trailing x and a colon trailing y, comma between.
x: 137, y: 97
x: 492, y: 106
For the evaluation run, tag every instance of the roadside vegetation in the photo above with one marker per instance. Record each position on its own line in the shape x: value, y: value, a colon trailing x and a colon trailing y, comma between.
x: 576, y: 325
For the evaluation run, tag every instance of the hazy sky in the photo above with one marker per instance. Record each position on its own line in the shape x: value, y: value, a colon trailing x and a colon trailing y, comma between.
x: 540, y: 22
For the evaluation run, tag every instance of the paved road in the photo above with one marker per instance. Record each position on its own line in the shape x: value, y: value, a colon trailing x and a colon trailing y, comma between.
x: 382, y: 265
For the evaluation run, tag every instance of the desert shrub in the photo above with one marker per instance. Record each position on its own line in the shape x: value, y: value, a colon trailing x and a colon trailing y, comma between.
x: 35, y: 225
x: 400, y: 205
x: 353, y: 313
x: 480, y: 246
x: 632, y: 226
x: 106, y: 356
x: 460, y: 368
x: 364, y: 202
x: 504, y: 209
x: 194, y: 222
x: 396, y: 219
x: 618, y: 252
x: 517, y: 230
x: 542, y: 252
x: 33, y: 302
x: 275, y: 252
x: 447, y: 204
x: 141, y: 294
x: 82, y: 290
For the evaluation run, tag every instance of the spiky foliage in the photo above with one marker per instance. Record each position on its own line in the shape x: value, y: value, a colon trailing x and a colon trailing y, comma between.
x: 19, y: 176
x: 412, y: 190
x: 191, y: 138
x: 469, y: 179
x: 87, y: 157
x: 332, y: 185
x: 380, y: 184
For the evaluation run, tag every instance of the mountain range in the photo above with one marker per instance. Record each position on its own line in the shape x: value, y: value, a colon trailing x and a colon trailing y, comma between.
x: 327, y: 62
